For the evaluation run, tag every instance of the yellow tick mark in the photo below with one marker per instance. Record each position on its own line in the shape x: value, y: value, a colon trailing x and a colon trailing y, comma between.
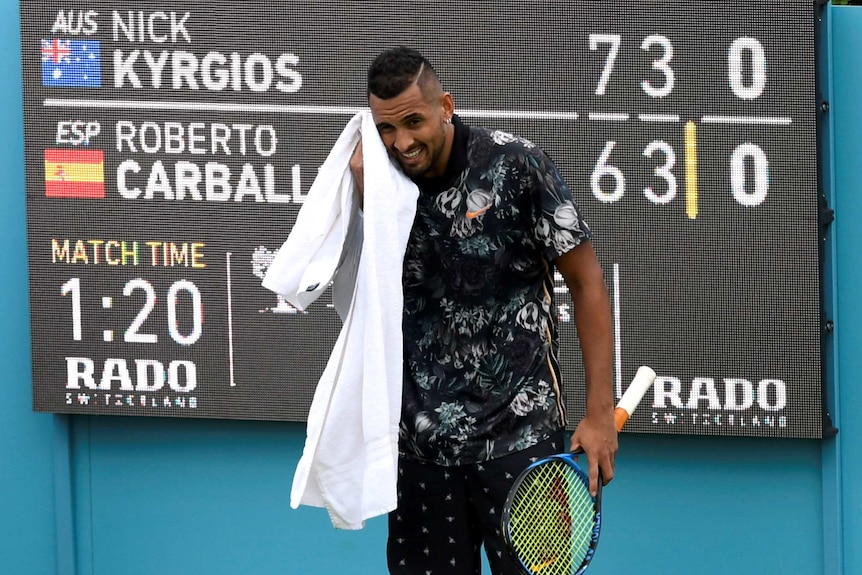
x: 691, y: 200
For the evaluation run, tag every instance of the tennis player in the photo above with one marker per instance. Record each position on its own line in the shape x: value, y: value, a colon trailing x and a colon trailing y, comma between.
x: 482, y: 384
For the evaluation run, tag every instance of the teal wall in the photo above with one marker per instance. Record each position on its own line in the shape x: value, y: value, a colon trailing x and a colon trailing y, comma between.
x: 27, y: 540
x: 116, y: 496
x: 846, y: 151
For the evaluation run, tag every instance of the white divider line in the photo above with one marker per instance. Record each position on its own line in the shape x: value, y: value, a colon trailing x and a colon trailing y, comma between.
x: 201, y: 106
x: 658, y: 117
x: 282, y: 108
x: 608, y: 116
x: 767, y: 120
x: 351, y: 110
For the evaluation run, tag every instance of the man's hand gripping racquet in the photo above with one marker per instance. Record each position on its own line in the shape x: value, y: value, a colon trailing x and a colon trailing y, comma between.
x: 551, y: 523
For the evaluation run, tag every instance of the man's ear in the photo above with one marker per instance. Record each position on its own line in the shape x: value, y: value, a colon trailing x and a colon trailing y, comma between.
x: 447, y: 104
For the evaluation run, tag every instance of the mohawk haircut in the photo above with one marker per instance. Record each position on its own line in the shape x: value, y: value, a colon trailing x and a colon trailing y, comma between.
x: 396, y: 69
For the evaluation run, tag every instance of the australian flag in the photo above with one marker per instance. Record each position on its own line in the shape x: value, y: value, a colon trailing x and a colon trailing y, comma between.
x: 71, y: 63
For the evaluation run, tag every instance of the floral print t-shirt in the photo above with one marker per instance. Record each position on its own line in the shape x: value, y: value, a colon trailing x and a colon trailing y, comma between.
x: 480, y: 338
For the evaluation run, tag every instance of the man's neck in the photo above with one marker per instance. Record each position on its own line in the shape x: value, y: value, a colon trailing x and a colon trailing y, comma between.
x: 456, y: 157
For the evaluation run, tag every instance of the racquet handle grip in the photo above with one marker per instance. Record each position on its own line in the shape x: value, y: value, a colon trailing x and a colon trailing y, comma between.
x: 632, y: 397
x: 620, y: 418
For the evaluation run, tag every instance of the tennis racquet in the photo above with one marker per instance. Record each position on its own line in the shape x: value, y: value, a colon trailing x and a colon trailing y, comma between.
x: 551, y: 523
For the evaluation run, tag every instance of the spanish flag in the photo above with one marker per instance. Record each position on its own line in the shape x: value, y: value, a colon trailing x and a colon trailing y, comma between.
x: 74, y: 174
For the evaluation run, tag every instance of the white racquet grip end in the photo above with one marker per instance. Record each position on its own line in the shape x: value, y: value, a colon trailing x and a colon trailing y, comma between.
x: 637, y: 388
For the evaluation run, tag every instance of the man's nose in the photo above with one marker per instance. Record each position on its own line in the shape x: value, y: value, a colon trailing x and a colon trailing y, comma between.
x: 403, y: 140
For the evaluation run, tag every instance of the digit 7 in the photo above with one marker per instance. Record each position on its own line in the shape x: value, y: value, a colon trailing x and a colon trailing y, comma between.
x: 614, y: 40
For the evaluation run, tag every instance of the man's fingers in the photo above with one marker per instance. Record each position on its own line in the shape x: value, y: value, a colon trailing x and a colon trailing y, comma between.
x: 600, y: 449
x: 594, y: 478
x: 607, y: 468
x: 608, y: 471
x: 607, y: 476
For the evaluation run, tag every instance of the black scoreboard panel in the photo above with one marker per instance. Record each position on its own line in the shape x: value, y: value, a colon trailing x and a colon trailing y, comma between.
x: 170, y: 147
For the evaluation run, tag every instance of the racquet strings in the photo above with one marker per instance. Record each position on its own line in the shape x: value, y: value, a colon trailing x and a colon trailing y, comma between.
x: 552, y: 519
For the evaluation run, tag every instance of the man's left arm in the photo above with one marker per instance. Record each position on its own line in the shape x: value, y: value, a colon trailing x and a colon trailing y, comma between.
x: 596, y: 433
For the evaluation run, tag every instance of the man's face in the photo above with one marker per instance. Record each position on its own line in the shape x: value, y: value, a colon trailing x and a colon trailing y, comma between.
x: 414, y: 130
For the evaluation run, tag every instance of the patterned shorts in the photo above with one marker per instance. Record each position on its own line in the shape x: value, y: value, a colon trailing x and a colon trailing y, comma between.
x: 446, y: 514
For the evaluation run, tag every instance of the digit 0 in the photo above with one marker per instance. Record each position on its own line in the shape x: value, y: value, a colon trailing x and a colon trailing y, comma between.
x: 754, y: 88
x: 738, y: 179
x: 197, y: 312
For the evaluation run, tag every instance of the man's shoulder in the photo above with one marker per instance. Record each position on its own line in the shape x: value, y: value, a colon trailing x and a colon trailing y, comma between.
x: 506, y: 141
x: 489, y: 146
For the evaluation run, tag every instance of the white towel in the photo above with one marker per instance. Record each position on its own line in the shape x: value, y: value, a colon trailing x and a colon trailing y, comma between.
x: 350, y: 461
